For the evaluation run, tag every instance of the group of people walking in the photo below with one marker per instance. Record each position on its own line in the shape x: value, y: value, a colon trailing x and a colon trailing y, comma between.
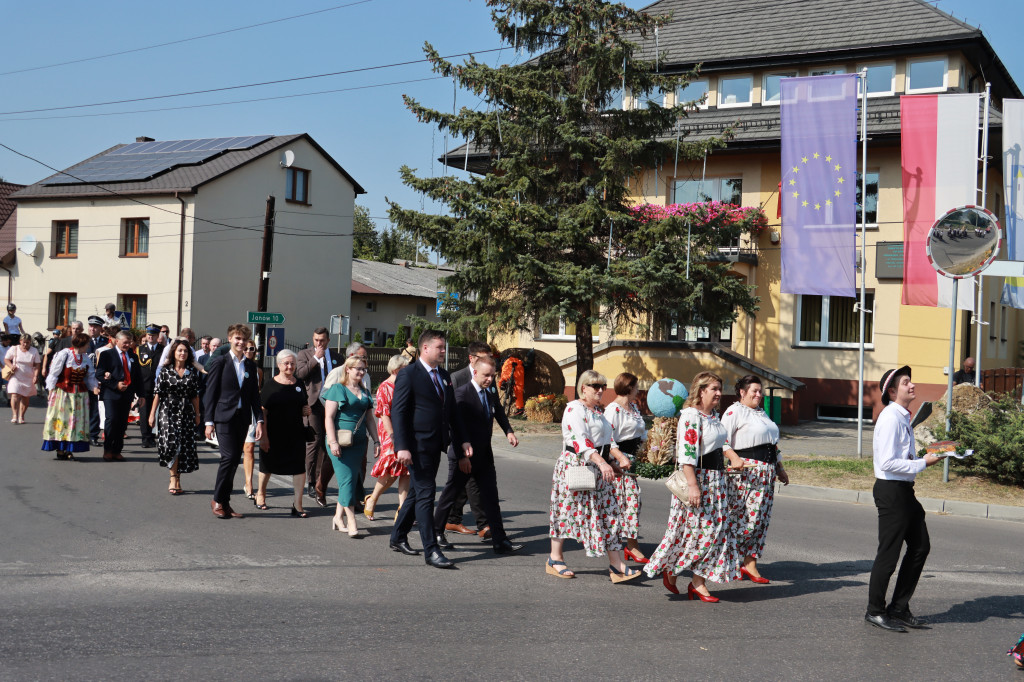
x: 716, y: 533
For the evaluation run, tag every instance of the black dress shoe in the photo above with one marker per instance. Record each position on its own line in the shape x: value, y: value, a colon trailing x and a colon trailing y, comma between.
x: 311, y: 492
x: 403, y: 547
x: 438, y: 560
x: 443, y: 543
x: 883, y: 621
x: 95, y: 442
x: 508, y: 547
x: 908, y: 619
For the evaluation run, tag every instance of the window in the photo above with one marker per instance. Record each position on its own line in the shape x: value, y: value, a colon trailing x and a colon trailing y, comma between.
x: 296, y: 187
x: 136, y: 237
x: 1002, y: 323
x: 881, y: 80
x: 615, y: 99
x: 736, y: 91
x: 561, y: 329
x: 370, y: 333
x: 992, y: 321
x: 771, y: 89
x: 644, y: 100
x: 832, y: 321
x: 421, y: 310
x: 872, y: 205
x: 65, y: 239
x: 694, y: 91
x: 65, y: 308
x: 135, y: 305
x: 371, y: 306
x: 926, y: 75
x: 832, y: 71
x: 729, y: 190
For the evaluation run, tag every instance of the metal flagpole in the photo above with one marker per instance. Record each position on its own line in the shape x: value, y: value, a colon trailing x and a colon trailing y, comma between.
x: 949, y: 381
x: 981, y: 202
x: 863, y: 252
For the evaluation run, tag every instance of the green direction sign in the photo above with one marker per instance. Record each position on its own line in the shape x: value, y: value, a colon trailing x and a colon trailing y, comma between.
x: 264, y: 318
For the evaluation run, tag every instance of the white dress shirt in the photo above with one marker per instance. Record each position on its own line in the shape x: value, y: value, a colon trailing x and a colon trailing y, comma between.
x: 748, y: 428
x: 894, y: 446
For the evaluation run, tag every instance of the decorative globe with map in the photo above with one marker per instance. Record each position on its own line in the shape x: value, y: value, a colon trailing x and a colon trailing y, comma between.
x: 665, y: 397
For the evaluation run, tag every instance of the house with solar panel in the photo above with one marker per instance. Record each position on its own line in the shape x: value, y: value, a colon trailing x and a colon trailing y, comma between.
x: 172, y: 233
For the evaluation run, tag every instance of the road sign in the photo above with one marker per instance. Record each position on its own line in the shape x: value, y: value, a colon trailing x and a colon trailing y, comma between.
x: 264, y: 318
x: 339, y: 324
x: 124, y: 318
x: 275, y: 340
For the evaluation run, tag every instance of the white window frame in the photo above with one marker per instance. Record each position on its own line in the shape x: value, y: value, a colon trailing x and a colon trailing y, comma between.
x: 892, y: 81
x: 827, y: 71
x: 945, y: 75
x: 736, y: 105
x: 561, y: 335
x: 707, y: 93
x: 869, y: 344
x: 764, y: 86
x: 634, y: 100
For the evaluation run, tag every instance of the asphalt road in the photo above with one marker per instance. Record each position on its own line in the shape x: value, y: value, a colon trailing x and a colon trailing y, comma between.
x: 103, y: 575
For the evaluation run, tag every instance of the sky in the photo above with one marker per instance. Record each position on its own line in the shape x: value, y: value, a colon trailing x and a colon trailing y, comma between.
x: 363, y: 123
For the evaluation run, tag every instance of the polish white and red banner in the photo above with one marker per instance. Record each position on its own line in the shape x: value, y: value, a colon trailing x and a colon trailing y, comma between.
x: 940, y: 172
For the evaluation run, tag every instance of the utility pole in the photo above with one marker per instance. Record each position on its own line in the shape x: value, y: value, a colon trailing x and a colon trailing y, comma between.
x: 266, y: 263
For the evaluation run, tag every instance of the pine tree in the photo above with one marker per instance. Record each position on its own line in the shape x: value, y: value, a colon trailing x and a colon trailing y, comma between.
x: 366, y: 243
x: 531, y: 236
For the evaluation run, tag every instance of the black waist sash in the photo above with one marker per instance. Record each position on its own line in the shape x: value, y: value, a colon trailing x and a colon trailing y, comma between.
x: 767, y: 453
x: 712, y: 460
x: 630, y: 446
x: 605, y: 450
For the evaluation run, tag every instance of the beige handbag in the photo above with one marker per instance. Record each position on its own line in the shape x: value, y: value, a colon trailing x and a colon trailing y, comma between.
x: 345, y: 436
x: 677, y: 483
x: 8, y: 372
x: 581, y: 478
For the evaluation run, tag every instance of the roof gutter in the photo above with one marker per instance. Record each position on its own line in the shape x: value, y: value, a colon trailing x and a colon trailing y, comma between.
x: 181, y: 262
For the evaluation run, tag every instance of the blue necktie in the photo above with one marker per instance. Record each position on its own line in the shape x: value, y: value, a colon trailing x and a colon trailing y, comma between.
x: 483, y: 400
x: 437, y: 383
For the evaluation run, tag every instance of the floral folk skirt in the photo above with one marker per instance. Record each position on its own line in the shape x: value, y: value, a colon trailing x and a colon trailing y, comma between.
x: 627, y: 494
x: 753, y: 495
x: 701, y: 539
x: 66, y: 428
x: 388, y: 465
x: 589, y: 516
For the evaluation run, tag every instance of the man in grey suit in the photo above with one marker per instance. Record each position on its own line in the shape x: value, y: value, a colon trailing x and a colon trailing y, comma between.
x: 311, y: 367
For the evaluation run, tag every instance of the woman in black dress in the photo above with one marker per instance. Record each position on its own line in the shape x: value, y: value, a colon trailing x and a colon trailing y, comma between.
x: 283, y: 447
x: 176, y: 393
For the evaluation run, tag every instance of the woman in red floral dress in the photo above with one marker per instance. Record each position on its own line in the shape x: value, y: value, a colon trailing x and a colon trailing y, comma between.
x: 701, y: 535
x: 387, y: 469
x: 590, y: 517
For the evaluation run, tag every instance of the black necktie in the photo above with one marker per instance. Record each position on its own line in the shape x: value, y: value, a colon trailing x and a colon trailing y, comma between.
x: 437, y: 383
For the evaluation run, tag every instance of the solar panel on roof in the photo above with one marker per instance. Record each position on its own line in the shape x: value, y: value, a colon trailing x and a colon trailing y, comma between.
x: 145, y: 160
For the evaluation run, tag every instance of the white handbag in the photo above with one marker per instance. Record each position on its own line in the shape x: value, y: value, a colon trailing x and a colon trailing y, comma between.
x: 580, y: 478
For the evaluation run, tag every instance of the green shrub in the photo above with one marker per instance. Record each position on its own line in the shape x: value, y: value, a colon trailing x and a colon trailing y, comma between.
x: 996, y: 435
x: 648, y: 470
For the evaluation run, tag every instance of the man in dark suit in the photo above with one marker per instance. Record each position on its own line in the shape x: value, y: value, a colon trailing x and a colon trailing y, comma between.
x: 96, y: 341
x: 230, y: 404
x: 120, y: 380
x: 149, y: 353
x: 311, y: 367
x: 461, y: 377
x: 477, y: 409
x: 425, y: 422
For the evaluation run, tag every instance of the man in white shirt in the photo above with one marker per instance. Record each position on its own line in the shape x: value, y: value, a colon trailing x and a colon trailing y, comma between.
x: 204, y: 348
x: 901, y: 517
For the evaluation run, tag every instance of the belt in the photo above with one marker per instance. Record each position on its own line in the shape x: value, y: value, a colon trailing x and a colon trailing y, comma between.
x: 605, y: 450
x: 630, y: 446
x: 712, y: 460
x: 767, y: 453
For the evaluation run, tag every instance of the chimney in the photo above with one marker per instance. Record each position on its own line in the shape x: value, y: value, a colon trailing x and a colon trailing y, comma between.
x: 144, y: 139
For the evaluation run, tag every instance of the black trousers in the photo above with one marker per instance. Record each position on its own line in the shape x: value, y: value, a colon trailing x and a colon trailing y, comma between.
x: 115, y: 412
x: 95, y: 428
x: 145, y: 402
x: 486, y: 479
x: 900, y: 520
x: 231, y: 436
x: 419, y: 504
x: 470, y: 493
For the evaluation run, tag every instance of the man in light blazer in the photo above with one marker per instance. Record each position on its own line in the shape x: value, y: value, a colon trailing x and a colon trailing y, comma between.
x: 312, y: 366
x: 230, y: 404
x: 478, y: 411
x: 425, y: 422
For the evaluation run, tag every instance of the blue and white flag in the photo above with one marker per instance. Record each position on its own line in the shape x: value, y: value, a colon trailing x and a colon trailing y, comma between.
x: 1013, y: 193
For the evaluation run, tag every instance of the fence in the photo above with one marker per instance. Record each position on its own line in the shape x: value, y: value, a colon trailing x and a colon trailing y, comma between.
x: 1003, y: 380
x: 378, y: 359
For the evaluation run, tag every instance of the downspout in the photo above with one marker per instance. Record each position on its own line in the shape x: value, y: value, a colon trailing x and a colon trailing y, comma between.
x: 181, y: 262
x: 10, y: 283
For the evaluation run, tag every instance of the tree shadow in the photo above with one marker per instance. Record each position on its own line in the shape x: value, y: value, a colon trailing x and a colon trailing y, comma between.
x: 981, y: 609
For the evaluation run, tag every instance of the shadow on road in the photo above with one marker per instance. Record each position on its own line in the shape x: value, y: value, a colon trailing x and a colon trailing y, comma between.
x: 981, y: 609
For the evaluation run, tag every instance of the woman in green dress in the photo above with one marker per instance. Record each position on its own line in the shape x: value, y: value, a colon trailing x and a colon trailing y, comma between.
x: 348, y: 408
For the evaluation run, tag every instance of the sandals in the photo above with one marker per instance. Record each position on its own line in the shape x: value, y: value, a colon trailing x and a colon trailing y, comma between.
x: 263, y: 506
x: 368, y: 508
x: 175, y: 486
x: 635, y: 555
x: 300, y: 514
x: 617, y: 576
x: 564, y: 573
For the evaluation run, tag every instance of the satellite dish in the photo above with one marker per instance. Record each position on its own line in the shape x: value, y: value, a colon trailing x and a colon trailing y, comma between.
x: 964, y: 241
x: 287, y: 158
x: 28, y: 245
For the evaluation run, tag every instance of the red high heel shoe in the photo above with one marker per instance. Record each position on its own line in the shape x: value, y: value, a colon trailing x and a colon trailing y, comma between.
x: 668, y: 586
x: 747, y: 575
x: 692, y: 592
x: 634, y: 556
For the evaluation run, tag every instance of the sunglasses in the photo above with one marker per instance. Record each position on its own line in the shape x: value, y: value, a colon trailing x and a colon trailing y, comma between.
x: 250, y: 350
x: 598, y: 387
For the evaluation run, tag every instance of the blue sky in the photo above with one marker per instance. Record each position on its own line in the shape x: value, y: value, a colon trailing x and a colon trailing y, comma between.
x: 367, y: 130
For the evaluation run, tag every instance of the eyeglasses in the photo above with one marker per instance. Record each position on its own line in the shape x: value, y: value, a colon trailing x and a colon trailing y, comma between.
x: 598, y: 387
x: 250, y: 350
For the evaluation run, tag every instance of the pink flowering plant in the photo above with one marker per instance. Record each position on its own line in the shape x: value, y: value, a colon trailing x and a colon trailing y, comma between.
x: 706, y: 214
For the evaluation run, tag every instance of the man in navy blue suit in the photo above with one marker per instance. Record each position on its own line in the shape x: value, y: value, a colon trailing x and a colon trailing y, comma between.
x: 425, y: 422
x: 120, y: 380
x: 230, y: 404
x: 477, y: 409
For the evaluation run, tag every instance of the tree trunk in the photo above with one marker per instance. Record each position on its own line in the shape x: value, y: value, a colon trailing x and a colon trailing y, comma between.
x: 584, y: 344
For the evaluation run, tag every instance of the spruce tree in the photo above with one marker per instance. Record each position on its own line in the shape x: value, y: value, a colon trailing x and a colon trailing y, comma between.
x: 530, y: 237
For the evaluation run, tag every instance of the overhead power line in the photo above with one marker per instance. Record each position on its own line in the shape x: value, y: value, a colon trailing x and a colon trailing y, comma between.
x: 184, y: 40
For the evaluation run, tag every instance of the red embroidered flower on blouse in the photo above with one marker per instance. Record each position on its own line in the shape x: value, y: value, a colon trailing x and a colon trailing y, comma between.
x: 690, y: 436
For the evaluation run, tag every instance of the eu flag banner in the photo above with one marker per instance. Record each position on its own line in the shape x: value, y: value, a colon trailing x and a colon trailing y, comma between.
x: 819, y: 185
x: 1013, y: 191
